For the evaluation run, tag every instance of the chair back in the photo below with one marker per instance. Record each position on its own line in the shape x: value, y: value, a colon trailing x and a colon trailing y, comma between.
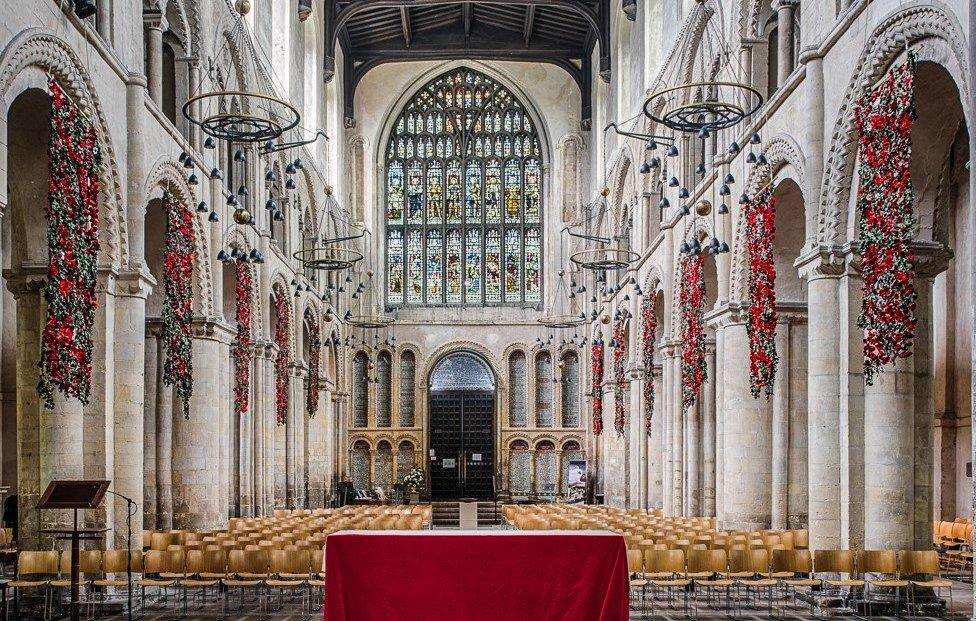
x: 878, y: 562
x: 834, y: 561
x: 918, y: 562
x: 635, y: 561
x: 707, y: 561
x: 664, y: 561
x: 37, y: 563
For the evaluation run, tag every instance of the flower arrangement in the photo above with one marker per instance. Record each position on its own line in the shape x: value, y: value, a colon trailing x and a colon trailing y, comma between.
x: 596, y: 373
x: 886, y: 210
x: 620, y: 346
x: 178, y: 256
x: 414, y: 480
x: 75, y: 161
x: 648, y: 338
x: 761, y: 327
x: 279, y: 300
x: 244, y: 310
x: 314, y: 353
x: 692, y: 299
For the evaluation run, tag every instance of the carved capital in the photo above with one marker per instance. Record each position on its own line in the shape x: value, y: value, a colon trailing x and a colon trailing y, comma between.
x: 822, y: 262
x: 25, y: 280
x: 134, y: 283
x: 931, y: 259
x: 155, y: 20
x: 212, y: 329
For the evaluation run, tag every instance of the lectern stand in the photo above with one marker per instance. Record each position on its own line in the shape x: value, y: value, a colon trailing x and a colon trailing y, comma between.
x: 74, y: 495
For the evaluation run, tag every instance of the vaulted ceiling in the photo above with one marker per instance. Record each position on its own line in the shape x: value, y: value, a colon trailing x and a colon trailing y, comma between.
x: 559, y: 32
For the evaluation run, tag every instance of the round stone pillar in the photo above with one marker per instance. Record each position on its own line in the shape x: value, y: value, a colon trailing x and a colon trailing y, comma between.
x: 197, y: 497
x: 823, y: 273
x: 748, y: 437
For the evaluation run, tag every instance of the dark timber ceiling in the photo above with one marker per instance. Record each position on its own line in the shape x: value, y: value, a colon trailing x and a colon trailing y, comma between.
x: 559, y: 32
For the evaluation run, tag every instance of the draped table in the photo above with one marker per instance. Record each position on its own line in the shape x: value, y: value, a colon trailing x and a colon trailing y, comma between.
x: 475, y: 576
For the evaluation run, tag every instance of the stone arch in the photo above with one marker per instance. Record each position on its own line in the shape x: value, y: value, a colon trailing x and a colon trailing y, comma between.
x: 933, y: 33
x: 786, y: 162
x: 168, y: 175
x: 431, y: 362
x: 47, y: 53
x: 392, y: 113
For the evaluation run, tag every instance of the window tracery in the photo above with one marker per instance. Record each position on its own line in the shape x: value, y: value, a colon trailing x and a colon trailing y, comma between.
x: 463, y: 197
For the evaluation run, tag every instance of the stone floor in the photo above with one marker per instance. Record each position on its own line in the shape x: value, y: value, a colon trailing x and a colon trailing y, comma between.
x: 282, y: 611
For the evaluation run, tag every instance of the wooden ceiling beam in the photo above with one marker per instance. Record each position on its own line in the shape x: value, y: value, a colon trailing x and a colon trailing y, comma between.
x: 529, y: 24
x: 405, y: 24
x: 466, y: 18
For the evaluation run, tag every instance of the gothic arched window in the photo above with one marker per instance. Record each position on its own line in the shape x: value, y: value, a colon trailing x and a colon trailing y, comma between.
x: 463, y: 197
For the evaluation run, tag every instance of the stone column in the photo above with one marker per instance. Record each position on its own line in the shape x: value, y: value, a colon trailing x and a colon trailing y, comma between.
x: 693, y: 457
x: 708, y: 434
x: 149, y: 431
x: 677, y: 436
x: 103, y: 22
x: 164, y: 447
x: 781, y: 427
x: 813, y: 138
x: 745, y: 62
x: 784, y: 42
x: 26, y: 292
x: 197, y: 497
x: 263, y: 412
x: 924, y: 415
x: 748, y: 440
x: 720, y: 417
x: 655, y: 446
x: 155, y: 24
x: 889, y: 468
x: 295, y: 451
x: 129, y: 349
x: 245, y: 425
x: 822, y: 272
x: 798, y: 496
x: 194, y: 80
x: 665, y: 397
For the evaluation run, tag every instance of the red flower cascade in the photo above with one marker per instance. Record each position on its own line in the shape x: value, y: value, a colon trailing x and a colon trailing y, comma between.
x: 619, y: 373
x: 596, y: 373
x: 692, y: 299
x: 75, y: 161
x: 648, y: 338
x: 314, y: 353
x: 178, y: 256
x: 886, y: 210
x: 244, y: 305
x: 761, y: 328
x: 282, y: 378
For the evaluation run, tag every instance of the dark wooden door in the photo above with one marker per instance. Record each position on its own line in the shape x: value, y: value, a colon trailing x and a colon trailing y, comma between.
x: 462, y: 444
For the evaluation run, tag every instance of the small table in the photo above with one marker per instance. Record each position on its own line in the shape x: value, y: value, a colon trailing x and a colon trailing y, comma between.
x: 476, y: 576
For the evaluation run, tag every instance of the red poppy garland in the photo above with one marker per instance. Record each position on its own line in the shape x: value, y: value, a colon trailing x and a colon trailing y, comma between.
x: 282, y: 380
x: 692, y: 300
x: 648, y: 338
x: 244, y: 304
x: 619, y: 373
x: 178, y: 256
x: 886, y: 210
x: 596, y: 373
x: 760, y: 230
x: 74, y: 165
x: 314, y: 353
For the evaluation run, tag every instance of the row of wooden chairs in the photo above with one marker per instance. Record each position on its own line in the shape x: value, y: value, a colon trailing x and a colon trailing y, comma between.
x: 953, y: 540
x: 782, y: 572
x: 212, y: 571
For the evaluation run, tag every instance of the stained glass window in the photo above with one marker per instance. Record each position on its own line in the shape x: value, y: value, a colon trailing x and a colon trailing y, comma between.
x: 464, y: 197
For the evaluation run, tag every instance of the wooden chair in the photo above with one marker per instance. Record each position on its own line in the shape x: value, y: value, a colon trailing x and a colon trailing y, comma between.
x: 248, y: 570
x: 883, y: 563
x: 665, y: 569
x: 155, y: 564
x: 89, y: 568
x: 839, y: 562
x: 35, y: 570
x: 194, y: 578
x: 288, y: 573
x: 114, y: 572
x: 794, y: 570
x: 924, y: 572
x: 756, y: 562
x: 708, y: 569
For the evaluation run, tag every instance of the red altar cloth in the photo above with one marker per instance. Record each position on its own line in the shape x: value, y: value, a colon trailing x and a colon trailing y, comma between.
x: 475, y: 576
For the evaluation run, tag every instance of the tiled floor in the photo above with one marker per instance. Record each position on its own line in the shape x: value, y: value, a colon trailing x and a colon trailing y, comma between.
x: 172, y: 610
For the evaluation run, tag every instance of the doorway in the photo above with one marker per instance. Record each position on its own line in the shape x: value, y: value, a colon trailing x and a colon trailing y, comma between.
x: 461, y: 454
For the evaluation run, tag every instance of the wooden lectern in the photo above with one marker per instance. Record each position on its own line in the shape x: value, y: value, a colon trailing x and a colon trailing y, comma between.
x: 74, y: 495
